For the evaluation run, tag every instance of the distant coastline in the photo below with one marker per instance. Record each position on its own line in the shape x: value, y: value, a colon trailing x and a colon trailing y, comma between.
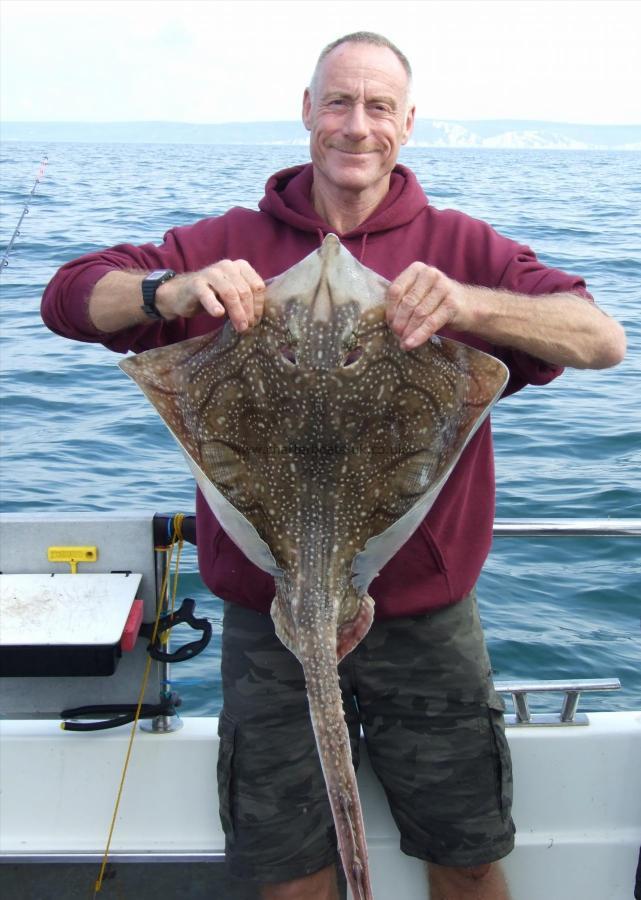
x: 507, y: 134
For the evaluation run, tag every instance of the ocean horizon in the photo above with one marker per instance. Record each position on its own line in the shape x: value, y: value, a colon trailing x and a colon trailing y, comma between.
x: 490, y: 134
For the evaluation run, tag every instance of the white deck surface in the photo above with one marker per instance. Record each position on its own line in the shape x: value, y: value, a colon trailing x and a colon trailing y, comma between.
x: 577, y: 803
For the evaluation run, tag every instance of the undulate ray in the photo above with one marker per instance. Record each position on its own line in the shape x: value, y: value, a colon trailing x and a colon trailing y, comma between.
x: 320, y: 445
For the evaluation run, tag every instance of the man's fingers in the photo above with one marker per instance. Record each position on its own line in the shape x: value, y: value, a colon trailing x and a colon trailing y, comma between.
x: 420, y: 302
x: 201, y: 292
x: 418, y: 276
x: 214, y: 295
x: 412, y: 294
x: 238, y: 289
x: 421, y: 330
x: 398, y: 289
x: 257, y: 287
x: 234, y: 294
x: 426, y: 309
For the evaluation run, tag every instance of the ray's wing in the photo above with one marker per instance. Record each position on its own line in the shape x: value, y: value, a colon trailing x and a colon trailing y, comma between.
x: 440, y: 394
x: 191, y: 384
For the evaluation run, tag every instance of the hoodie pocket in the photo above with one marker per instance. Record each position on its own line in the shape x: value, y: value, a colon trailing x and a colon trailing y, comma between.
x: 216, y: 540
x: 437, y: 557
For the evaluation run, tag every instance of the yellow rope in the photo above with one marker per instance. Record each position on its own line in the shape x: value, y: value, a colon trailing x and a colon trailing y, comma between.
x: 179, y: 518
x: 177, y: 538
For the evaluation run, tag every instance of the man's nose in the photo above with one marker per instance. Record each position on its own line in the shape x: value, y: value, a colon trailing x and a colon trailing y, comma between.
x: 355, y: 124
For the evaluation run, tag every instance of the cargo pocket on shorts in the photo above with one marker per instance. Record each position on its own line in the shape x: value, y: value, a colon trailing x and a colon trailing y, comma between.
x: 502, y: 758
x: 226, y: 735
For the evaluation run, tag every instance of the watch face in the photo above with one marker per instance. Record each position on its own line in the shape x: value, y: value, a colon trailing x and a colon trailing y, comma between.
x: 157, y: 273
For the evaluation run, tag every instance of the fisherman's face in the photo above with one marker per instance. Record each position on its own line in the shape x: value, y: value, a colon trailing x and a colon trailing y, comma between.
x: 358, y: 114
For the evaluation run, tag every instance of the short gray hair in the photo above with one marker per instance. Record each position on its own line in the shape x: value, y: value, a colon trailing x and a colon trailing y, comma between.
x: 364, y: 37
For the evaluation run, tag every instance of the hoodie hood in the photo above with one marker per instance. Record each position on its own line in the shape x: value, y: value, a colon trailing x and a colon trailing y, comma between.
x: 288, y: 198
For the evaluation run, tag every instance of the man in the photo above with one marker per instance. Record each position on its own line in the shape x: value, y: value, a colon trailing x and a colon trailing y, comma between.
x: 419, y: 683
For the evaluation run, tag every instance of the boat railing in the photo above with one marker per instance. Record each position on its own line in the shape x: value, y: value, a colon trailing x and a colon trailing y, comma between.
x: 571, y: 689
x: 535, y: 528
x: 503, y: 527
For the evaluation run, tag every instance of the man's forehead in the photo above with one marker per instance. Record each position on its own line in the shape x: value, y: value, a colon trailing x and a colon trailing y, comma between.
x: 351, y: 63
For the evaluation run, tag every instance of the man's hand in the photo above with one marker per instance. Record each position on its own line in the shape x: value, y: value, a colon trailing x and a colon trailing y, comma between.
x: 421, y: 301
x: 561, y: 329
x: 230, y: 286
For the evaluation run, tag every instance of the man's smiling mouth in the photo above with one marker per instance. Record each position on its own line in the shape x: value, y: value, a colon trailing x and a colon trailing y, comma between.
x: 353, y: 152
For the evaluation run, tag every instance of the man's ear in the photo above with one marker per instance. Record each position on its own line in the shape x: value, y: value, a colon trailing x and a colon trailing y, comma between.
x: 408, y: 126
x: 307, y: 110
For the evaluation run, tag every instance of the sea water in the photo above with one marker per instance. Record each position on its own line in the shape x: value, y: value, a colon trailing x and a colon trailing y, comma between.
x: 79, y: 436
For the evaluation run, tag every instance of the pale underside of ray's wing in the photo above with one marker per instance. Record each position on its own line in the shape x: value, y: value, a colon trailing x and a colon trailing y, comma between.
x: 318, y: 442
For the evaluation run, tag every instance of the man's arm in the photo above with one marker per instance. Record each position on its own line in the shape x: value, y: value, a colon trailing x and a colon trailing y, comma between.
x: 561, y: 329
x: 115, y: 302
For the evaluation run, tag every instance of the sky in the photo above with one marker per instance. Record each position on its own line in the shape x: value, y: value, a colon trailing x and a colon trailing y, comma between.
x: 249, y: 60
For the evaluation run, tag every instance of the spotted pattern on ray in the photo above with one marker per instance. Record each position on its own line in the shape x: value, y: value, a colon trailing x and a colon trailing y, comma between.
x: 320, y: 445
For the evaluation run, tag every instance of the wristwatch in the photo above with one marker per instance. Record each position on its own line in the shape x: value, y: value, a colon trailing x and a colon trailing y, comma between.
x: 150, y: 285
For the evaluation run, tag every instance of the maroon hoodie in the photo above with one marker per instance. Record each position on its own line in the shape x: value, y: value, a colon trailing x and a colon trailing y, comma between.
x: 442, y: 560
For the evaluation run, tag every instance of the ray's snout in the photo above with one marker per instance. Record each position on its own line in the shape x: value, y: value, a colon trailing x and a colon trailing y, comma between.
x: 330, y: 248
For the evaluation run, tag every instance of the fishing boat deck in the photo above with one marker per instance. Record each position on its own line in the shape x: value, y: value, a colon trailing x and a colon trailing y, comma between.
x: 577, y: 811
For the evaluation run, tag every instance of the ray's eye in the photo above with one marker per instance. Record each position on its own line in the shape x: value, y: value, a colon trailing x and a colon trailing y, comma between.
x: 288, y: 354
x: 352, y: 356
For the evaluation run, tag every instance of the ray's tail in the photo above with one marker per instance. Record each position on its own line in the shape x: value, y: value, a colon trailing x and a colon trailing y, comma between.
x: 332, y: 739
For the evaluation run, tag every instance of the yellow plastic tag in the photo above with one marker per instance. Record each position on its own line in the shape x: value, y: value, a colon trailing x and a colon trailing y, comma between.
x: 72, y: 555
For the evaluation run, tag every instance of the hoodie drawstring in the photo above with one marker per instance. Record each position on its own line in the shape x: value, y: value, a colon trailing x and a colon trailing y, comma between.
x: 363, y: 245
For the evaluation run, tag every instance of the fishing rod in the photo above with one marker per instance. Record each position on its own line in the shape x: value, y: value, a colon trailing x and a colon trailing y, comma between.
x: 39, y: 177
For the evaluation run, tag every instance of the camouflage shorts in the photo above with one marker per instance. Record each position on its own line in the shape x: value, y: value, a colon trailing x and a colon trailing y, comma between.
x: 421, y: 689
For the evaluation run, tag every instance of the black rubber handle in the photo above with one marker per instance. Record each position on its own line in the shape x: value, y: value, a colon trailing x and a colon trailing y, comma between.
x: 183, y: 615
x: 120, y: 713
